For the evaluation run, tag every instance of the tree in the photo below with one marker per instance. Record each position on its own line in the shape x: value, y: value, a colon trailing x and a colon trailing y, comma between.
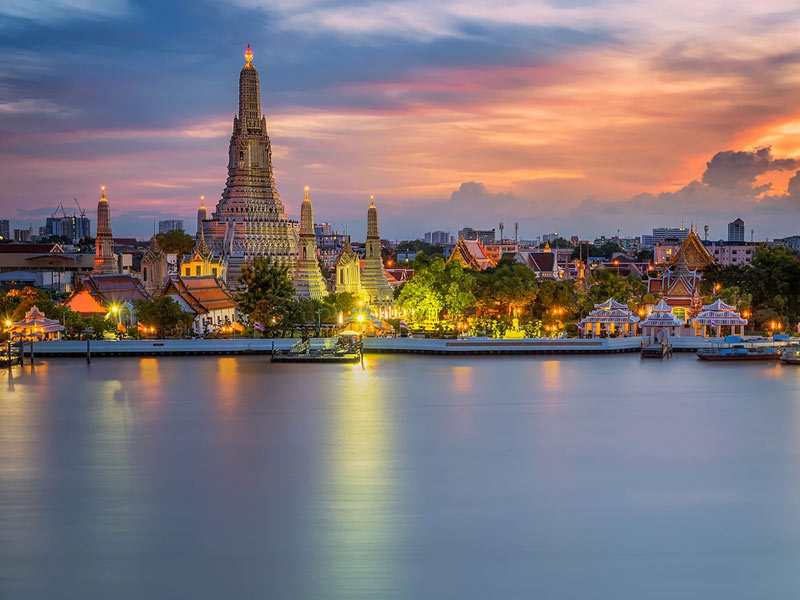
x: 164, y: 313
x: 175, y: 242
x: 267, y: 293
x: 436, y: 289
x: 29, y: 297
x: 506, y: 287
x: 644, y: 255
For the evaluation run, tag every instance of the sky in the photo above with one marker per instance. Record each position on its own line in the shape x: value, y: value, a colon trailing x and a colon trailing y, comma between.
x: 578, y: 116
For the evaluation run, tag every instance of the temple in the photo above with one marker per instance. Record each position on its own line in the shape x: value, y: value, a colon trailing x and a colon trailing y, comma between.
x: 365, y: 279
x: 718, y: 315
x: 250, y: 219
x: 611, y: 316
x: 678, y: 284
x: 104, y: 261
x: 661, y: 323
x: 308, y: 280
x: 374, y: 283
x: 202, y: 215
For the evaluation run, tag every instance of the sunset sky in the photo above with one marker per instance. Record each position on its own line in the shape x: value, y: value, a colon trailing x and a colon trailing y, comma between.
x: 575, y: 116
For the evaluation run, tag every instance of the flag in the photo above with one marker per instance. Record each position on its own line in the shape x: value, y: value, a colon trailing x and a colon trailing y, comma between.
x: 259, y: 327
x: 714, y: 324
x: 403, y: 324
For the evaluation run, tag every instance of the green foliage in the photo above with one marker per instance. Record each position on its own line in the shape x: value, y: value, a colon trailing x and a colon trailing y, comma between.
x: 55, y: 239
x: 557, y: 243
x: 267, y: 296
x: 175, y: 242
x: 505, y: 287
x: 438, y: 289
x: 644, y: 255
x: 770, y: 285
x: 164, y: 313
x: 28, y: 297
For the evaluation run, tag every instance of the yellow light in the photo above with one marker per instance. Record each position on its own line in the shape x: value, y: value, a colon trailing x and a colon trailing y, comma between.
x: 248, y: 55
x: 8, y: 323
x: 114, y: 309
x: 360, y: 318
x: 102, y: 188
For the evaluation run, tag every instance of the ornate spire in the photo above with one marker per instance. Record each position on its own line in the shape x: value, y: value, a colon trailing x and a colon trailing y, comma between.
x: 547, y: 246
x: 248, y: 55
x: 372, y: 220
x: 104, y: 261
x: 306, y: 217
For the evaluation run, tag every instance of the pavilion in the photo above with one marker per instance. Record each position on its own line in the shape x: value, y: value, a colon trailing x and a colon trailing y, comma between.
x: 611, y: 314
x: 661, y: 323
x: 719, y: 315
x: 35, y: 327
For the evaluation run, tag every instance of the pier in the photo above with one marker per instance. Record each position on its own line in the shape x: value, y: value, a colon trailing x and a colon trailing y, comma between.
x: 470, y: 346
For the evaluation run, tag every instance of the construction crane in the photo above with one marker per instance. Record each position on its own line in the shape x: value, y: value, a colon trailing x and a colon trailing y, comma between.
x: 63, y: 212
x: 80, y: 208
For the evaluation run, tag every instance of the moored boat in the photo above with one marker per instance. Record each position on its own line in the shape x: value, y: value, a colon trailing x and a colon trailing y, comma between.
x: 791, y: 355
x: 739, y: 352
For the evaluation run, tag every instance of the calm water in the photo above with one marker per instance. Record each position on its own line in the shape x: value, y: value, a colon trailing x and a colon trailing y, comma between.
x: 414, y: 478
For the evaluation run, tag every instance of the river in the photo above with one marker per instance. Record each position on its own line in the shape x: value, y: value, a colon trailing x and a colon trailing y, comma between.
x: 414, y: 477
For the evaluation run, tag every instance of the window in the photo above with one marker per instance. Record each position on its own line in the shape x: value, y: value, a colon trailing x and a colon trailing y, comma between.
x: 214, y: 271
x: 188, y: 271
x: 144, y: 273
x: 197, y: 271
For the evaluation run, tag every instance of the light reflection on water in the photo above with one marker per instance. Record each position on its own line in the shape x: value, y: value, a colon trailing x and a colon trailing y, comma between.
x: 412, y: 477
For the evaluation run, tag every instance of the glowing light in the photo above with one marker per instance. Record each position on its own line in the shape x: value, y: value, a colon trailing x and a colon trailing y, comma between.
x: 360, y: 318
x: 8, y: 323
x: 248, y: 55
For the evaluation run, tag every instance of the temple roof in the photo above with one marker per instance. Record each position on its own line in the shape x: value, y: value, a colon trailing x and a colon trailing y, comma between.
x: 692, y: 253
x: 611, y: 304
x: 111, y: 288
x: 471, y: 254
x: 719, y: 305
x: 202, y: 294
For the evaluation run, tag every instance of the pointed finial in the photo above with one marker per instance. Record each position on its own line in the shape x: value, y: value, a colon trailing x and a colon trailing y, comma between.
x: 306, y: 189
x: 372, y: 200
x: 102, y: 192
x: 202, y: 201
x: 248, y: 55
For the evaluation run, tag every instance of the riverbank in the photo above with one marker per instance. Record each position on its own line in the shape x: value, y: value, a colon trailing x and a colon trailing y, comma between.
x: 471, y: 346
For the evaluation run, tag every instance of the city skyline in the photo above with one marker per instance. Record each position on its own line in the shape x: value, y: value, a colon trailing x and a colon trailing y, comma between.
x: 489, y: 116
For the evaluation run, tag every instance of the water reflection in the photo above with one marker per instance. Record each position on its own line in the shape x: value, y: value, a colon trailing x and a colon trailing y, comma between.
x: 360, y: 496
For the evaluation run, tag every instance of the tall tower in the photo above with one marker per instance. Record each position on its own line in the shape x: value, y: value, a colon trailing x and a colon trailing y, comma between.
x: 250, y: 220
x: 202, y: 215
x: 308, y: 280
x: 373, y: 278
x: 104, y: 261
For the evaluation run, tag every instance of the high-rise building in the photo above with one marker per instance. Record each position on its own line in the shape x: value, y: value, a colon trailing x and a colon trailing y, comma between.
x: 308, y: 281
x: 484, y: 236
x: 5, y: 231
x: 438, y: 237
x: 250, y: 219
x: 74, y: 228
x: 736, y: 231
x: 104, y: 261
x: 661, y: 234
x: 168, y: 225
x: 23, y: 235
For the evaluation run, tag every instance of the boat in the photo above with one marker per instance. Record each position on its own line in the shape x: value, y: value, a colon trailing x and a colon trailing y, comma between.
x: 791, y: 355
x: 348, y: 348
x: 739, y: 352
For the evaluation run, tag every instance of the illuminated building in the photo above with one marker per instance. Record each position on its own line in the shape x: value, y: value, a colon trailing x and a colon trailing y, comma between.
x: 202, y: 215
x: 610, y: 315
x: 718, y: 315
x: 678, y: 283
x: 308, y: 280
x: 471, y: 254
x: 104, y: 261
x: 206, y: 298
x: 203, y: 263
x: 102, y: 294
x: 35, y: 326
x: 374, y: 283
x: 366, y: 280
x: 348, y: 271
x: 250, y: 219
